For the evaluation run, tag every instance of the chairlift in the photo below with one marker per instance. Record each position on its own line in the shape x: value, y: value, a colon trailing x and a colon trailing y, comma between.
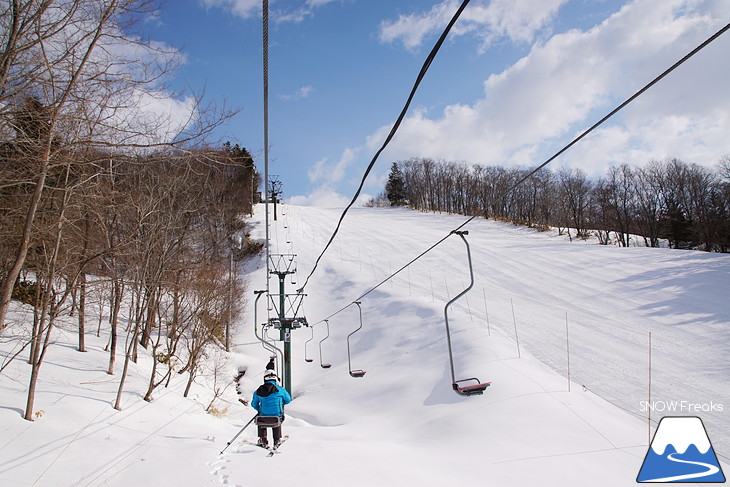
x: 357, y: 372
x: 306, y: 357
x: 262, y: 338
x: 321, y: 363
x: 266, y: 341
x: 478, y: 387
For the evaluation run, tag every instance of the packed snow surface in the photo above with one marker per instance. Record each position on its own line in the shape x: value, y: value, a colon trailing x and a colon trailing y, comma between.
x: 541, y: 308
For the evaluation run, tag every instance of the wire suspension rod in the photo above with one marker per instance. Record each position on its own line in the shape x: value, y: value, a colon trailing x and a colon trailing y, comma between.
x: 454, y: 299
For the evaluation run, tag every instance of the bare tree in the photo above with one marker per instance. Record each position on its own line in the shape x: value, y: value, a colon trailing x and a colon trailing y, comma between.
x: 60, y: 72
x: 574, y: 190
x: 618, y: 207
x: 71, y: 68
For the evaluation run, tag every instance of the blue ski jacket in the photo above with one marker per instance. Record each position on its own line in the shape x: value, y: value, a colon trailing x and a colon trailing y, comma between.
x: 269, y: 399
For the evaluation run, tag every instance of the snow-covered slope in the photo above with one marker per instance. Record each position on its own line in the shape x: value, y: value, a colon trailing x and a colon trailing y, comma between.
x: 402, y: 421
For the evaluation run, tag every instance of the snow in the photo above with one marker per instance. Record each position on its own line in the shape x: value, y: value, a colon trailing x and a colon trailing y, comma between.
x: 402, y: 421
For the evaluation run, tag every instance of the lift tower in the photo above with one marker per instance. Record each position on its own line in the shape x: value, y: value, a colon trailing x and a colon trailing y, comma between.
x: 287, y: 306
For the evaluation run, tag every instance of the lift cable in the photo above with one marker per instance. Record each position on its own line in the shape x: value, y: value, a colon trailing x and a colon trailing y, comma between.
x: 541, y: 166
x: 265, y: 62
x: 419, y: 78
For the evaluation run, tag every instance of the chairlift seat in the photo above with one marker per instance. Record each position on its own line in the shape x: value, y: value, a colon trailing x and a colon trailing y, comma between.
x: 357, y: 373
x: 472, y: 389
x: 268, y: 421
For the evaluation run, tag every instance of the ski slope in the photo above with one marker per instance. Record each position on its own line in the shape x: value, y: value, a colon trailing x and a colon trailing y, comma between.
x: 402, y: 422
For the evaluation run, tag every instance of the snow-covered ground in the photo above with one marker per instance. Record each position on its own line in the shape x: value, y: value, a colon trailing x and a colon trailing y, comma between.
x: 402, y: 422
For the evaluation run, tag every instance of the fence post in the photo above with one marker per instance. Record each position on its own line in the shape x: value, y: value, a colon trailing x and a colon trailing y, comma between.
x: 514, y: 321
x: 648, y: 409
x: 567, y: 347
x: 486, y: 310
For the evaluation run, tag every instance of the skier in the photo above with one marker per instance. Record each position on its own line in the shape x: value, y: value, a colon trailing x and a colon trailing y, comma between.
x: 269, y: 400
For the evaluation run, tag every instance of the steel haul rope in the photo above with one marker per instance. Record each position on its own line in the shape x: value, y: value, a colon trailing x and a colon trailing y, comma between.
x: 399, y: 120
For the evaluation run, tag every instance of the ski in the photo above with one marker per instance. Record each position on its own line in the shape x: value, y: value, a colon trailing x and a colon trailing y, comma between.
x: 253, y: 443
x: 271, y: 449
x: 275, y: 449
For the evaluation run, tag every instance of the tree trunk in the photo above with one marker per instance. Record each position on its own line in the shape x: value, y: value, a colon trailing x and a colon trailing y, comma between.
x: 191, y: 378
x: 117, y: 293
x: 151, y: 316
x: 127, y: 357
x: 14, y: 271
x: 82, y: 312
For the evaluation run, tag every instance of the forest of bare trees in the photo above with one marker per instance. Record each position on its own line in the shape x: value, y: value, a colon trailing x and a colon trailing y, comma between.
x: 101, y: 195
x: 687, y: 205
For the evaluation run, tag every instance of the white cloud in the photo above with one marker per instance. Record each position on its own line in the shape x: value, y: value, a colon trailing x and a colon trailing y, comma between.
x: 300, y: 94
x: 319, y: 3
x: 242, y: 8
x: 329, y: 174
x: 250, y: 8
x: 517, y: 20
x: 326, y: 196
x: 124, y: 92
x: 162, y: 116
x: 568, y: 82
x: 326, y: 176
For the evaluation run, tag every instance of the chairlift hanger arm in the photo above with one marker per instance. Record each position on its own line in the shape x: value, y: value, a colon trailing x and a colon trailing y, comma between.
x: 321, y: 362
x: 479, y: 387
x: 306, y: 357
x: 267, y: 346
x: 354, y: 372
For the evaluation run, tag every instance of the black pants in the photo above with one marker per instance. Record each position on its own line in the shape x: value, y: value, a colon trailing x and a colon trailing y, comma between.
x: 276, y: 432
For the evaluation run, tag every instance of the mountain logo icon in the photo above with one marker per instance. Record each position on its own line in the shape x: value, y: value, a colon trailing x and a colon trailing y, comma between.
x: 681, y: 452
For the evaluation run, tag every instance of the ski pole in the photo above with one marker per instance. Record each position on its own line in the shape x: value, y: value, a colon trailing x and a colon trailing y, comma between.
x: 241, y: 431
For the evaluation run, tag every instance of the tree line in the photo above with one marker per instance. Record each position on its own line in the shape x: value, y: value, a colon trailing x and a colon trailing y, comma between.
x: 685, y: 204
x: 100, y: 196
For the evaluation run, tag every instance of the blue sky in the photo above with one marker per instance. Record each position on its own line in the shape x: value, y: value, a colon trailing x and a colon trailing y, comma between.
x: 516, y: 80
